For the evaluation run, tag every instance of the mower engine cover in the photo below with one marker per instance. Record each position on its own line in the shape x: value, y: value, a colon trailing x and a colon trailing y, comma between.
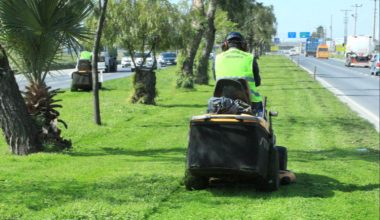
x: 229, y: 147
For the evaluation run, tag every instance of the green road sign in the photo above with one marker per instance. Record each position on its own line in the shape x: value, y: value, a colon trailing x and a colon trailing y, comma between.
x: 304, y: 34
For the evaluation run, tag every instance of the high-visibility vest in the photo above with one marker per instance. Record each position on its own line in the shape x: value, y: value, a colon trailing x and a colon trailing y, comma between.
x: 85, y: 55
x: 237, y: 64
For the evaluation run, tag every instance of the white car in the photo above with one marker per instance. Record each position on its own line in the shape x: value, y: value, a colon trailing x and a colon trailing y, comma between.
x: 139, y: 60
x: 126, y: 62
x: 293, y: 52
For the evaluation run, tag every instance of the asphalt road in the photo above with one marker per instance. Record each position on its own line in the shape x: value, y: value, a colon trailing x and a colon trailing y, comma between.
x: 62, y: 78
x: 352, y: 85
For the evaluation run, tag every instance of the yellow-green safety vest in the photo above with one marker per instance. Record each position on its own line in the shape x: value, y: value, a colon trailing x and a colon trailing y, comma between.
x: 85, y: 55
x: 237, y: 64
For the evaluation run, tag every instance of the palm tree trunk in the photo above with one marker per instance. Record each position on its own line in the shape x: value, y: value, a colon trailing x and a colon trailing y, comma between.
x: 20, y: 131
x: 186, y: 78
x: 95, y: 79
x: 202, y: 76
x: 144, y: 82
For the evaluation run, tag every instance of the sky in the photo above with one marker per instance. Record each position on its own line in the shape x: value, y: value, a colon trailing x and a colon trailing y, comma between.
x: 306, y: 15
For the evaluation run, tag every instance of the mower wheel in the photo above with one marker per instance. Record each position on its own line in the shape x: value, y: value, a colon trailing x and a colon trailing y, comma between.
x: 195, y: 182
x: 272, y: 180
x: 283, y: 157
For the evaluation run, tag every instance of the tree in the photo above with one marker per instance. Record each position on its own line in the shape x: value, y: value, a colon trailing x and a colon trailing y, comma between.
x: 33, y: 32
x: 147, y: 27
x: 261, y: 28
x: 95, y: 80
x: 190, y: 50
x: 319, y: 32
x: 238, y: 11
x: 256, y: 21
x: 202, y: 76
x: 20, y: 131
x: 223, y: 25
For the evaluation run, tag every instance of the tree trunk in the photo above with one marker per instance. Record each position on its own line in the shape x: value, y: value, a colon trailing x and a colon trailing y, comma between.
x: 250, y: 44
x: 144, y: 82
x: 202, y: 76
x: 186, y: 78
x: 95, y: 79
x: 20, y: 131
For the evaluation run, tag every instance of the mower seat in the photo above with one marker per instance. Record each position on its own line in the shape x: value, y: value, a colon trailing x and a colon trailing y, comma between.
x: 233, y: 89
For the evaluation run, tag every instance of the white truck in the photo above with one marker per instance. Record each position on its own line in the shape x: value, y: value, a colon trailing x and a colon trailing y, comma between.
x: 107, y: 62
x: 359, y: 51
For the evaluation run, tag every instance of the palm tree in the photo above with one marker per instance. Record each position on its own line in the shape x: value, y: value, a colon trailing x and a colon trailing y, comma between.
x: 33, y: 33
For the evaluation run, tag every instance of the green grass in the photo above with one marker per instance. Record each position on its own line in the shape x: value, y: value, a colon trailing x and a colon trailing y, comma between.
x: 132, y: 166
x: 337, y: 56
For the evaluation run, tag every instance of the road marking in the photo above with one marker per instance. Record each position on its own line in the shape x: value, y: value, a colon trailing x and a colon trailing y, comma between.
x: 364, y: 113
x: 343, y: 68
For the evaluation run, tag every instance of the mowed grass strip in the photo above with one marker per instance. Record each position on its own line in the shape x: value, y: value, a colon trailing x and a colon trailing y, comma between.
x: 132, y: 166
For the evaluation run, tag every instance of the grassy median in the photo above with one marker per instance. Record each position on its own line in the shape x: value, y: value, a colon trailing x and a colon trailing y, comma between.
x: 132, y: 166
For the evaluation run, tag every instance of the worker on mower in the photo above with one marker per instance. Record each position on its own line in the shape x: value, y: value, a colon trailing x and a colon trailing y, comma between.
x: 236, y: 63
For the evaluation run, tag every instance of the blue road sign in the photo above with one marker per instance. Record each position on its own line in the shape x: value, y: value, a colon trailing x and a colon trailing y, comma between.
x: 304, y: 34
x: 292, y: 34
x: 277, y: 40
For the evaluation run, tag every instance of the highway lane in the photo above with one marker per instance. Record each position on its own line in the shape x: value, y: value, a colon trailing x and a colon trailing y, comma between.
x: 353, y: 85
x: 62, y: 78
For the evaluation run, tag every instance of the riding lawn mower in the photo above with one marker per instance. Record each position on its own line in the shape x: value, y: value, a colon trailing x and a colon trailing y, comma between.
x: 237, y: 146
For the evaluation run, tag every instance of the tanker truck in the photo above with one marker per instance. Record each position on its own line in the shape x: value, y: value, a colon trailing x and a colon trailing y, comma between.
x: 359, y: 51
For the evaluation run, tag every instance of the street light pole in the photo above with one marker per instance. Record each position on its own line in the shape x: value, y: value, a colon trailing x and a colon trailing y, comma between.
x: 356, y: 6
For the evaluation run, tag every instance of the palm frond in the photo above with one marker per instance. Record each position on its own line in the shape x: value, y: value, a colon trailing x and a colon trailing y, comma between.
x: 37, y: 30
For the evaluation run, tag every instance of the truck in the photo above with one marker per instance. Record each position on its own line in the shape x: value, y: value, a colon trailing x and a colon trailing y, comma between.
x: 311, y: 46
x: 108, y: 60
x: 359, y: 51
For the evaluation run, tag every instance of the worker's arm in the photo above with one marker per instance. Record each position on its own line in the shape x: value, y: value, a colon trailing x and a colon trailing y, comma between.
x: 256, y: 72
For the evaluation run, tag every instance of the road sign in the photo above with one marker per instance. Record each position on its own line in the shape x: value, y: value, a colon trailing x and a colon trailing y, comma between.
x: 277, y: 40
x: 292, y: 34
x: 304, y: 34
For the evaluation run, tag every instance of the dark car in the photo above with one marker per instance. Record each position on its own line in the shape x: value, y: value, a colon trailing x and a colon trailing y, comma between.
x: 167, y: 58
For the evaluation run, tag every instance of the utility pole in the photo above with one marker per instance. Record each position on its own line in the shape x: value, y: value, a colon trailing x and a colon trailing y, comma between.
x: 374, y: 21
x: 345, y: 24
x: 356, y: 6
